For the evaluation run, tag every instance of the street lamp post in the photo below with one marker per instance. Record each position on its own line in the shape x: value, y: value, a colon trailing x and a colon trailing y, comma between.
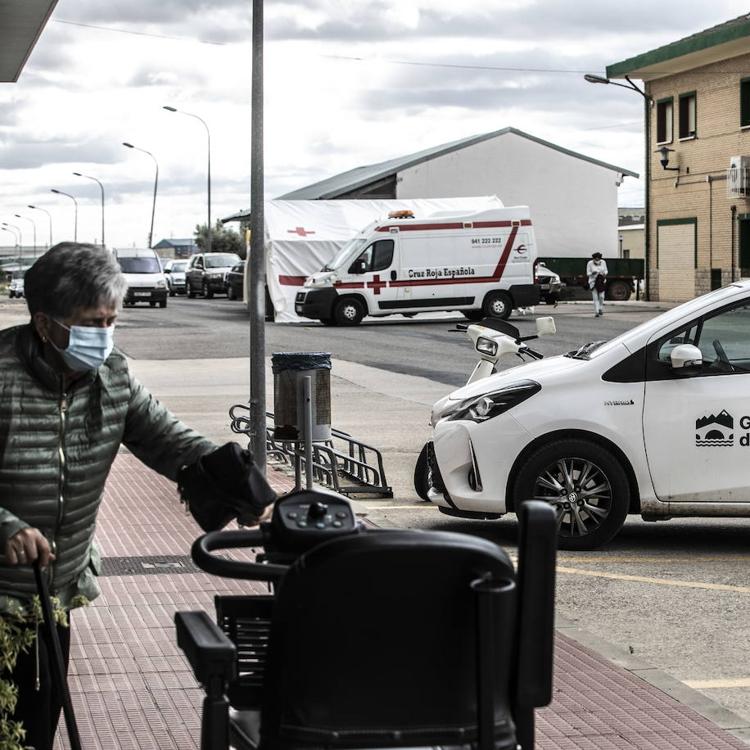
x: 33, y: 224
x: 101, y: 187
x: 49, y: 216
x: 209, y: 235
x: 15, y: 239
x: 75, y: 215
x: 647, y: 104
x: 156, y: 185
x: 16, y: 232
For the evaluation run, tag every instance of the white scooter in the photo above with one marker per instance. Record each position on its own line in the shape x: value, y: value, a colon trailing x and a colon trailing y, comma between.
x: 493, y: 339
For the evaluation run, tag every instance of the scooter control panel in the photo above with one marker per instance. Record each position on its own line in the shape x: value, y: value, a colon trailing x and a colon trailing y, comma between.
x: 305, y: 518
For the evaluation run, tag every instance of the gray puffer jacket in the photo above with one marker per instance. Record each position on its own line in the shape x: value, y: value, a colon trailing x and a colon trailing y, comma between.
x: 56, y: 450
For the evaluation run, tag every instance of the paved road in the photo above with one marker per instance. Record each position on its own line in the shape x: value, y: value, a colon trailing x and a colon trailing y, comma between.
x: 423, y: 347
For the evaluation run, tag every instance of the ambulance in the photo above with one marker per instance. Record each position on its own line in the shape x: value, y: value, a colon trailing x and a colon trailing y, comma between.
x: 481, y: 264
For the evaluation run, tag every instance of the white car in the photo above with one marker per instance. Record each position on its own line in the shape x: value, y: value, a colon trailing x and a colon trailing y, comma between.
x: 655, y: 421
x: 15, y: 288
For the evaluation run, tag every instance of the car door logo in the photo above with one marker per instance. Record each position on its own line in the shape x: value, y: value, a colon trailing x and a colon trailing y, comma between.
x: 715, y: 430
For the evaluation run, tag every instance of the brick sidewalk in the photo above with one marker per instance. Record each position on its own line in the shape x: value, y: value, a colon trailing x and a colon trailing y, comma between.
x: 132, y: 689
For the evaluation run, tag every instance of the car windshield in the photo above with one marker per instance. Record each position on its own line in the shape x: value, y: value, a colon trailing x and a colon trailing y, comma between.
x: 179, y: 266
x: 352, y: 248
x: 221, y: 260
x: 139, y: 265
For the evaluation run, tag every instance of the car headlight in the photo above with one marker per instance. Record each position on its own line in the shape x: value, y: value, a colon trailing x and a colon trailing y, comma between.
x: 488, y: 405
x: 161, y: 284
x: 486, y: 346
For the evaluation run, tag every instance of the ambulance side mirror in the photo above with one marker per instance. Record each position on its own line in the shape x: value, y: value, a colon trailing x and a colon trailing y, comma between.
x: 685, y: 355
x: 358, y: 267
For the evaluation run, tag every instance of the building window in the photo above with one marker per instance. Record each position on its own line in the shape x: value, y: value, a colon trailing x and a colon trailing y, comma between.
x: 745, y: 103
x: 664, y: 121
x: 687, y: 115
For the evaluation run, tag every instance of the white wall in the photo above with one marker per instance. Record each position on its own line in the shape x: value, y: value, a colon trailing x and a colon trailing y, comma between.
x: 573, y: 202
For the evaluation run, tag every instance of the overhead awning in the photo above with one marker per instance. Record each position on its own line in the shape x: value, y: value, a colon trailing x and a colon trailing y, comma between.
x: 21, y: 23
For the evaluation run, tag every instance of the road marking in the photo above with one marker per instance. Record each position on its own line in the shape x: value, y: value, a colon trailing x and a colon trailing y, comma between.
x: 732, y: 682
x: 401, y: 507
x: 655, y: 581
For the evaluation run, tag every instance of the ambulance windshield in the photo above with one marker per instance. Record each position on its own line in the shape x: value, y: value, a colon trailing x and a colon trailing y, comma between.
x: 348, y: 251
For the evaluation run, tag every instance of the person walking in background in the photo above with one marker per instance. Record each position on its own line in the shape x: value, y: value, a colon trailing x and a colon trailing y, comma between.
x: 596, y: 272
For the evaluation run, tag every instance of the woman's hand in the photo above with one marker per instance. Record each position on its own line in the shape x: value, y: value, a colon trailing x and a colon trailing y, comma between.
x: 26, y: 547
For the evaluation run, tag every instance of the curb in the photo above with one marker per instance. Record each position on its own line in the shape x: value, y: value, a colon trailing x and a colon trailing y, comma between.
x: 723, y: 717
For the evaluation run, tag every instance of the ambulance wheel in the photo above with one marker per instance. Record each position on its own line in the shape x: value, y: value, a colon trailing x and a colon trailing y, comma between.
x: 497, y: 305
x: 472, y: 314
x: 348, y: 311
x: 585, y: 484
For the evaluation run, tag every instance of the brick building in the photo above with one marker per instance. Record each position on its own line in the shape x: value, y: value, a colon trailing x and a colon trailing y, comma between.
x: 697, y: 123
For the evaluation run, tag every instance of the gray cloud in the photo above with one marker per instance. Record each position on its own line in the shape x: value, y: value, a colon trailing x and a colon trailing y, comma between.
x: 28, y: 154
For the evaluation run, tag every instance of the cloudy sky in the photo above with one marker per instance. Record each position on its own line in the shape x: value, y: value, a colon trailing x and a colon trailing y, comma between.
x: 348, y: 82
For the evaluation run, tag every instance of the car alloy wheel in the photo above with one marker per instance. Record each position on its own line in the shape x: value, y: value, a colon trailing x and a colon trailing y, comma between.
x: 585, y: 484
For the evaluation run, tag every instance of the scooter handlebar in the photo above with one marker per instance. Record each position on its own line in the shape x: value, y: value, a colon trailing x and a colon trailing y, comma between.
x: 203, y: 547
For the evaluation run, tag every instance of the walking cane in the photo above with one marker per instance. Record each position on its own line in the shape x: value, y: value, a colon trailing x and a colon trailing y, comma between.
x: 56, y: 661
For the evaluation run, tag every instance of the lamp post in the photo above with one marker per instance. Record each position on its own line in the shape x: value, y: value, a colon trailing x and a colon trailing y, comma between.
x: 101, y: 187
x: 15, y: 239
x: 16, y: 232
x: 208, y: 171
x: 75, y: 216
x: 156, y: 186
x: 647, y: 104
x: 33, y: 224
x: 49, y: 216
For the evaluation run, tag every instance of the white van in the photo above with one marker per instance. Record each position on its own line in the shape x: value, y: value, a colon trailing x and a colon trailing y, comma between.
x: 480, y: 263
x: 142, y: 270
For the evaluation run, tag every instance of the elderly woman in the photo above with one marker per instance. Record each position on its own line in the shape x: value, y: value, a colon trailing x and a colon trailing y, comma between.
x: 68, y: 402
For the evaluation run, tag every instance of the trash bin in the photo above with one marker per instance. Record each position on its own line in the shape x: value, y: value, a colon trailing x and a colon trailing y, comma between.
x: 289, y: 371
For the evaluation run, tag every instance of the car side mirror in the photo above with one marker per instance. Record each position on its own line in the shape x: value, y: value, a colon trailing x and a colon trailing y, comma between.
x: 685, y: 355
x: 167, y: 270
x: 358, y: 267
x: 545, y: 326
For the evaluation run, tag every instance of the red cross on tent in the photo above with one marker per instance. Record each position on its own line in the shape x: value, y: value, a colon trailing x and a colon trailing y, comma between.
x: 376, y: 284
x: 301, y: 231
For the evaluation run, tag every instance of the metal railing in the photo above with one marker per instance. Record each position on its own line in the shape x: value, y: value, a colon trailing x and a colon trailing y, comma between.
x: 333, y: 463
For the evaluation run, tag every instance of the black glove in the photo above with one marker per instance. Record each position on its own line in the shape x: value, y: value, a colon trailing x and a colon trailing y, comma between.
x: 223, y: 485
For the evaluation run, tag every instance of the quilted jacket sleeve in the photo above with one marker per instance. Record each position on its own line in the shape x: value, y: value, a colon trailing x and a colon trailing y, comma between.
x: 9, y: 525
x: 157, y: 437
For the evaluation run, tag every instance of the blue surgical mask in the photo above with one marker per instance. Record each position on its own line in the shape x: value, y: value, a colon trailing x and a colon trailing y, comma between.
x: 88, y: 346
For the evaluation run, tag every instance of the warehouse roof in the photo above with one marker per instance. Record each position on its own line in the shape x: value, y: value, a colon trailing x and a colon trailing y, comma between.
x: 345, y: 182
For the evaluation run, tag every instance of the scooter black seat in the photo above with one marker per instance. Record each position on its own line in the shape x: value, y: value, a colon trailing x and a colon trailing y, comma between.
x: 374, y: 643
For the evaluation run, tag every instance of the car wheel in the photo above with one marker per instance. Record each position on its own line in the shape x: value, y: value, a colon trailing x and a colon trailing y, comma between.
x: 11, y: 295
x: 348, y: 311
x: 189, y: 290
x: 163, y: 303
x: 618, y: 291
x: 172, y: 292
x: 585, y: 484
x: 230, y: 292
x: 472, y: 314
x: 207, y: 291
x: 422, y: 475
x: 152, y: 304
x: 497, y: 305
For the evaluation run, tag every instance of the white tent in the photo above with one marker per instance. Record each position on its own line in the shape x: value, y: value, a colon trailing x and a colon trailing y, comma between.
x: 302, y: 236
